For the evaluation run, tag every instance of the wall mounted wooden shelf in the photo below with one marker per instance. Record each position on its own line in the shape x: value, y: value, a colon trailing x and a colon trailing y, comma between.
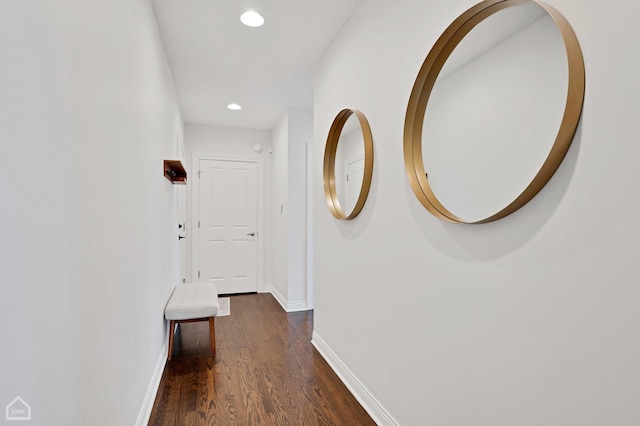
x: 175, y: 172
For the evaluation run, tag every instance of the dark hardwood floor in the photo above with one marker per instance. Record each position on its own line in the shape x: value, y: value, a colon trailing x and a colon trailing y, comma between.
x: 265, y: 372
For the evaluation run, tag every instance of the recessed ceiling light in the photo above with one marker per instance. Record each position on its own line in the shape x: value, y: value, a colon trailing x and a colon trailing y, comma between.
x: 252, y: 19
x: 234, y: 107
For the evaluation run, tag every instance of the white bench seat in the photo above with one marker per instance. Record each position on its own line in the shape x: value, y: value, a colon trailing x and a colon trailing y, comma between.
x: 192, y: 302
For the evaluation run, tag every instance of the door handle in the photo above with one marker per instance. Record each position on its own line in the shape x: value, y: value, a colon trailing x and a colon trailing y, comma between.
x: 180, y: 237
x: 251, y: 234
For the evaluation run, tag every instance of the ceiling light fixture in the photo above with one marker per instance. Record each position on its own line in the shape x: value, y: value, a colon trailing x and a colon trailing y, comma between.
x: 252, y: 19
x: 234, y: 107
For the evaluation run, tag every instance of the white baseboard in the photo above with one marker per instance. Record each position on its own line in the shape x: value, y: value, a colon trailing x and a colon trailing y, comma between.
x: 295, y: 306
x: 147, y: 405
x: 364, y: 397
x: 279, y: 297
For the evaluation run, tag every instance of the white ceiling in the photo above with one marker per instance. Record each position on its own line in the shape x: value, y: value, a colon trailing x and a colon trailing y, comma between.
x: 216, y: 60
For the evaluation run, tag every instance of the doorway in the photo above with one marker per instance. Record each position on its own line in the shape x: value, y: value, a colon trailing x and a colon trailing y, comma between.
x: 225, y: 224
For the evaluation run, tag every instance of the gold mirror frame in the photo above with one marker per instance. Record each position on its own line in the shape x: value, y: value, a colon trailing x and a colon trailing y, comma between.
x: 426, y: 80
x: 331, y: 195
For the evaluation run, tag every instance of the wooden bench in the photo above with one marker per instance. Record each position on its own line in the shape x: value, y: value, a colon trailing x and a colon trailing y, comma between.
x: 192, y: 302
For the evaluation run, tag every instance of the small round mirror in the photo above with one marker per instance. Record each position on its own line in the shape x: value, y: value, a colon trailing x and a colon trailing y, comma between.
x: 348, y: 164
x: 493, y: 110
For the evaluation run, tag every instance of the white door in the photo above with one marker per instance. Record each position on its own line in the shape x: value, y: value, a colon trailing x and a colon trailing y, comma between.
x: 353, y: 176
x: 225, y: 222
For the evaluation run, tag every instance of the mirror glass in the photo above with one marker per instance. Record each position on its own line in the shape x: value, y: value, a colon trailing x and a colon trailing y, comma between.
x: 494, y: 111
x: 349, y: 164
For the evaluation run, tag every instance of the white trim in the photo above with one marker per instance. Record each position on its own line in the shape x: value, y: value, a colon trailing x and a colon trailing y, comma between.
x: 278, y: 296
x: 310, y: 286
x: 195, y: 204
x: 296, y: 306
x: 147, y: 405
x: 364, y: 397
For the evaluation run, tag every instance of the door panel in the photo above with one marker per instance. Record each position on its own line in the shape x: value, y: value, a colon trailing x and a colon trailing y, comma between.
x: 215, y: 257
x: 227, y: 215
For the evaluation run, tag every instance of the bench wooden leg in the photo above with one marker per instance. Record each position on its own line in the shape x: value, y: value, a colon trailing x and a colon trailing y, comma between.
x: 212, y: 334
x: 172, y: 327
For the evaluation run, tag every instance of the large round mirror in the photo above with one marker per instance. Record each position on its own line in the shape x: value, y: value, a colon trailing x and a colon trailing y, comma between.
x: 348, y: 164
x: 493, y: 110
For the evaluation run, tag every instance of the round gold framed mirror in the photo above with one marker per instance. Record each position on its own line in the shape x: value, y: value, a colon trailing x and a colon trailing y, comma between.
x: 348, y: 164
x: 458, y: 172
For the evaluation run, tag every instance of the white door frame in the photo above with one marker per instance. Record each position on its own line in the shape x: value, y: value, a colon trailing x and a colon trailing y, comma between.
x: 309, y: 206
x: 195, y: 205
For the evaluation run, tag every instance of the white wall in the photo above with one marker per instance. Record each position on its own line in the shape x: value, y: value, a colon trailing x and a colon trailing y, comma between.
x: 236, y: 144
x: 88, y: 253
x: 530, y: 320
x: 300, y: 133
x: 280, y: 210
x: 290, y: 138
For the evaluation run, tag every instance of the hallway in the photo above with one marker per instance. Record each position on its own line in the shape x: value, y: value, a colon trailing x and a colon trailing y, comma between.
x: 265, y: 372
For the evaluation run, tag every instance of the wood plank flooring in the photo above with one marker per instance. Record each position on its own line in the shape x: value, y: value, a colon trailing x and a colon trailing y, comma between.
x: 265, y: 372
